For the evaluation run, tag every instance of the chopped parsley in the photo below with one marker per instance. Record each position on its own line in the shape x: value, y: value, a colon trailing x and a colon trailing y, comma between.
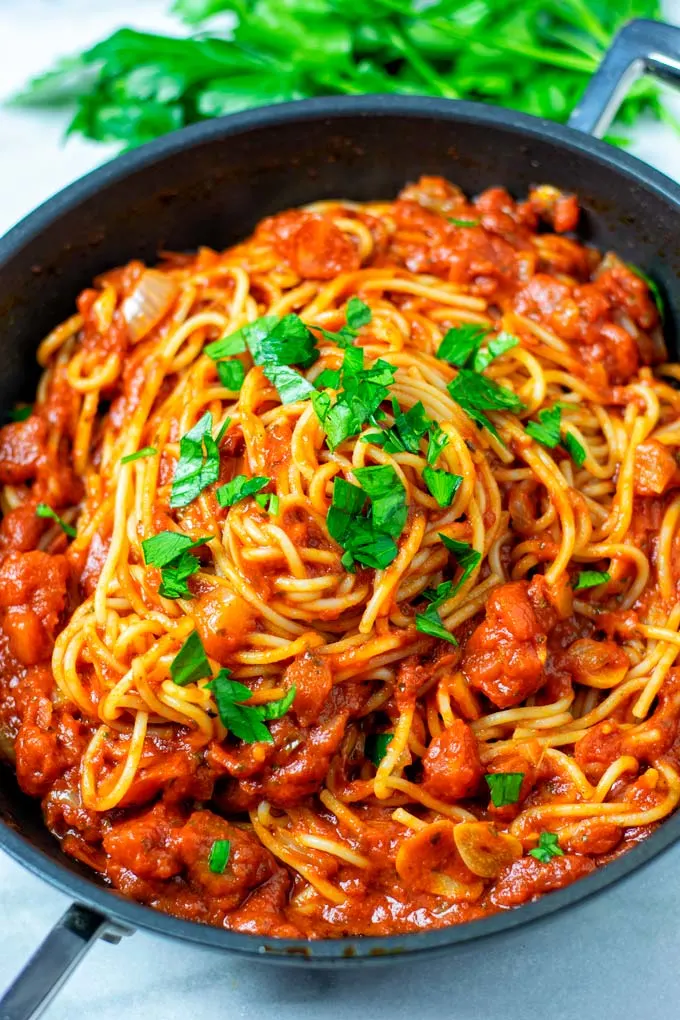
x: 376, y: 746
x: 245, y: 721
x: 466, y: 557
x: 368, y: 537
x: 290, y: 385
x: 591, y: 578
x: 439, y: 594
x: 269, y: 501
x: 430, y: 622
x: 475, y: 394
x: 574, y: 449
x: 442, y: 484
x: 497, y: 345
x: 43, y: 510
x: 20, y: 413
x: 357, y: 314
x: 437, y: 441
x: 405, y: 435
x: 461, y: 343
x: 199, y: 461
x: 271, y: 341
x: 548, y: 847
x: 363, y: 391
x: 240, y: 488
x: 171, y: 551
x: 219, y: 856
x: 547, y: 430
x: 504, y: 787
x: 231, y: 373
x: 462, y: 223
x: 191, y: 663
x: 146, y: 451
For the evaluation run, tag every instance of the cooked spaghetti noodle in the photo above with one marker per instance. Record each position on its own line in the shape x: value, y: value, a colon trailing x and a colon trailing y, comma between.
x: 338, y: 571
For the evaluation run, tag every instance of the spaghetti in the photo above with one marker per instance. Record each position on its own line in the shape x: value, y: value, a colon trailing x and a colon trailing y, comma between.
x: 338, y: 578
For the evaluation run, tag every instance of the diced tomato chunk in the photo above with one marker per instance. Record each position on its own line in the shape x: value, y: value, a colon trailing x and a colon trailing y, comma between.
x: 451, y: 768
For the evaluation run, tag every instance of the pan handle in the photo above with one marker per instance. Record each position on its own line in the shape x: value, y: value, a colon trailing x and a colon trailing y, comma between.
x: 54, y: 960
x: 641, y: 47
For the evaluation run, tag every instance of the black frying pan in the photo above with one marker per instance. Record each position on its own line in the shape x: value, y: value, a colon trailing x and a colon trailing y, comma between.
x: 210, y: 184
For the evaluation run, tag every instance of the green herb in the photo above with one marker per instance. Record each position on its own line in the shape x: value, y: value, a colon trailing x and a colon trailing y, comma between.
x: 504, y: 787
x: 442, y: 484
x: 271, y: 342
x: 219, y: 856
x: 245, y: 721
x: 463, y: 223
x: 363, y: 391
x: 20, y: 413
x: 405, y: 435
x: 375, y: 747
x: 466, y: 557
x: 533, y: 57
x: 43, y: 510
x: 437, y: 441
x: 191, y: 663
x: 574, y: 449
x: 368, y: 537
x: 548, y: 847
x: 199, y: 462
x: 653, y: 289
x: 461, y: 343
x: 290, y: 384
x: 440, y: 594
x: 547, y: 430
x: 329, y: 377
x: 430, y: 622
x: 475, y: 394
x: 171, y: 552
x: 591, y: 578
x: 240, y: 488
x: 146, y: 451
x: 231, y: 373
x: 357, y: 314
x: 498, y: 345
x: 269, y: 501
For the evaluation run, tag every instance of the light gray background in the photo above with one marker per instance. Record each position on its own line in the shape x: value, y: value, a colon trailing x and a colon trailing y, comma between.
x: 614, y: 956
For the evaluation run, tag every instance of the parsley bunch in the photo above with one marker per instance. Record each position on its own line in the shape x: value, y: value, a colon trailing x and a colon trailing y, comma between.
x: 368, y: 536
x: 531, y: 55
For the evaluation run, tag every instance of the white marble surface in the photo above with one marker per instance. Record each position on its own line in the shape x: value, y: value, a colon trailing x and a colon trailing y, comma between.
x: 614, y: 956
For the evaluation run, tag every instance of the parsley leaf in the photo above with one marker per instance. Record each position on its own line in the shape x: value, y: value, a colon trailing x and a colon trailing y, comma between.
x: 199, y: 462
x: 191, y: 663
x: 271, y: 341
x: 430, y: 622
x: 329, y: 377
x: 358, y: 314
x: 245, y: 721
x: 466, y: 557
x: 442, y: 484
x: 269, y: 501
x: 497, y: 345
x: 547, y: 430
x: 219, y: 856
x: 388, y: 497
x: 291, y: 386
x: 462, y: 223
x: 591, y: 578
x: 239, y: 342
x: 405, y: 435
x: 574, y: 449
x: 440, y: 594
x: 171, y: 551
x: 548, y: 847
x: 20, y: 413
x: 231, y: 373
x: 461, y: 343
x: 504, y: 787
x: 146, y: 451
x: 364, y: 390
x: 368, y: 538
x: 43, y: 510
x: 240, y: 488
x: 475, y: 394
x: 375, y: 747
x: 437, y: 441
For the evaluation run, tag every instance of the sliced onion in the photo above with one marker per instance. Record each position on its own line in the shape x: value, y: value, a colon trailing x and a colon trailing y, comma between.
x: 148, y: 303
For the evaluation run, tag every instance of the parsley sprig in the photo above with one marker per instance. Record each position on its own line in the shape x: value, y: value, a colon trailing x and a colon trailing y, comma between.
x: 171, y: 552
x: 358, y: 401
x: 548, y: 847
x: 504, y: 787
x: 199, y: 461
x: 366, y: 519
x: 548, y: 432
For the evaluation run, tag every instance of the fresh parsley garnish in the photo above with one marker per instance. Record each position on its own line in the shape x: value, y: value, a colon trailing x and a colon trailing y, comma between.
x: 271, y: 341
x: 440, y: 594
x: 461, y: 343
x: 462, y: 223
x: 654, y: 289
x: 437, y: 441
x: 504, y: 787
x: 199, y: 461
x: 20, y: 413
x: 363, y: 391
x: 171, y: 552
x: 442, y: 484
x: 466, y: 557
x: 548, y: 847
x: 146, y: 451
x: 591, y: 578
x: 240, y: 488
x: 405, y: 435
x: 43, y: 510
x: 368, y: 537
x: 574, y: 449
x: 475, y: 394
x: 430, y: 622
x: 245, y: 721
x: 357, y: 314
x: 328, y: 378
x: 290, y: 385
x: 269, y: 501
x: 231, y: 373
x: 498, y: 345
x: 191, y: 663
x: 376, y: 746
x: 547, y: 430
x: 219, y: 856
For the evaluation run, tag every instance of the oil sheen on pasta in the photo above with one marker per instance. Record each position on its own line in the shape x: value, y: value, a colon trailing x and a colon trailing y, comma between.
x: 371, y: 808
